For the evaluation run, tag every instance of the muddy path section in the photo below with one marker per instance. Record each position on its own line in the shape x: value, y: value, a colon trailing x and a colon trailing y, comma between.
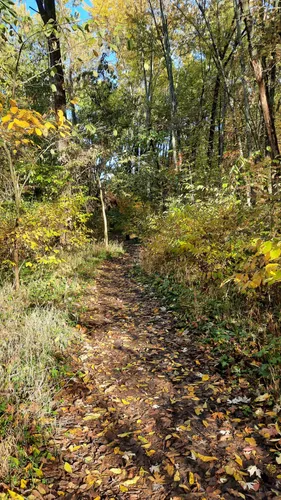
x: 146, y: 415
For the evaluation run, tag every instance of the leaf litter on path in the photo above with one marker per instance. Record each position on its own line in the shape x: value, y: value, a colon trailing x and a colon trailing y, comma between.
x: 139, y: 420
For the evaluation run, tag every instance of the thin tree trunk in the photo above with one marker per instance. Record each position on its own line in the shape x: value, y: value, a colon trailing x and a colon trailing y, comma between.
x: 71, y: 97
x: 164, y: 39
x: 212, y: 129
x: 17, y: 194
x: 222, y: 127
x: 263, y: 93
x: 267, y: 114
x: 104, y: 217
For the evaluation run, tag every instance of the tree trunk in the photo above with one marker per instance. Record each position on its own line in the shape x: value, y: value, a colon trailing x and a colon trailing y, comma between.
x: 264, y: 98
x: 212, y: 129
x: 47, y: 10
x: 164, y: 39
x: 267, y: 112
x: 71, y: 97
x: 17, y: 195
x: 104, y: 217
x: 173, y: 98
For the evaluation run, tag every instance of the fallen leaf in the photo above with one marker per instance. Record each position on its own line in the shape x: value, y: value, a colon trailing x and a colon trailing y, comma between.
x: 170, y: 469
x: 263, y: 397
x: 251, y: 441
x: 67, y: 467
x: 191, y: 478
x: 116, y: 470
x: 131, y: 482
x: 204, y: 458
x: 123, y: 488
x: 238, y: 460
x: 254, y: 470
x: 177, y: 476
x: 15, y: 495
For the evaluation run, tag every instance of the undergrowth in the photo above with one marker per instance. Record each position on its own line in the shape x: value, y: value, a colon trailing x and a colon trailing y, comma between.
x: 36, y: 330
x: 195, y: 258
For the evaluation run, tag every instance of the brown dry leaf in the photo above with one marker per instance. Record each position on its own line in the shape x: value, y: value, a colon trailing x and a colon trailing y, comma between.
x: 170, y: 469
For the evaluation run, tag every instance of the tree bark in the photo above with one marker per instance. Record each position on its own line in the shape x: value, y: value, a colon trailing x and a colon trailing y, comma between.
x: 104, y: 217
x: 47, y: 10
x: 212, y: 129
x: 256, y: 64
x: 164, y: 39
x: 17, y: 195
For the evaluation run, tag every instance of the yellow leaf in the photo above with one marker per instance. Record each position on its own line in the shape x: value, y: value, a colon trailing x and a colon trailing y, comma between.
x: 184, y: 487
x: 125, y: 402
x: 38, y: 131
x: 49, y: 125
x: 205, y: 378
x: 38, y: 472
x: 15, y: 495
x: 238, y: 460
x: 116, y: 470
x: 204, y: 458
x: 74, y: 448
x: 21, y: 123
x: 13, y: 103
x: 146, y: 446
x: 170, y: 469
x: 177, y: 476
x: 131, y: 482
x: 251, y: 441
x: 23, y: 484
x: 92, y: 416
x: 150, y: 452
x: 6, y: 118
x: 67, y: 467
x: 142, y: 439
x: 263, y: 397
x: 97, y: 498
x: 168, y: 437
x: 205, y: 423
x: 123, y: 488
x: 90, y: 479
x: 14, y: 110
x: 198, y: 410
x: 191, y: 478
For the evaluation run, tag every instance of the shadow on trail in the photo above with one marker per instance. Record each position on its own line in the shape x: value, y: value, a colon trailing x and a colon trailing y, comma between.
x: 160, y: 411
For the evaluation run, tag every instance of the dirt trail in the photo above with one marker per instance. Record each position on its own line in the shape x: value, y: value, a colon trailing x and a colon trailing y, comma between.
x: 147, y: 416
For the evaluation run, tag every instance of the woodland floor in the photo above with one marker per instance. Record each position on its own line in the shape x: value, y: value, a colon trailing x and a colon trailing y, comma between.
x: 148, y: 416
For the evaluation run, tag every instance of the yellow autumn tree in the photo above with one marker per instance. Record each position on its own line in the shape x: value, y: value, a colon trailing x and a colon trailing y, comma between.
x: 18, y: 127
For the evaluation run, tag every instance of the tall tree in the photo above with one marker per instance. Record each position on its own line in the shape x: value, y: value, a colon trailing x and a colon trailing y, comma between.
x: 47, y: 10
